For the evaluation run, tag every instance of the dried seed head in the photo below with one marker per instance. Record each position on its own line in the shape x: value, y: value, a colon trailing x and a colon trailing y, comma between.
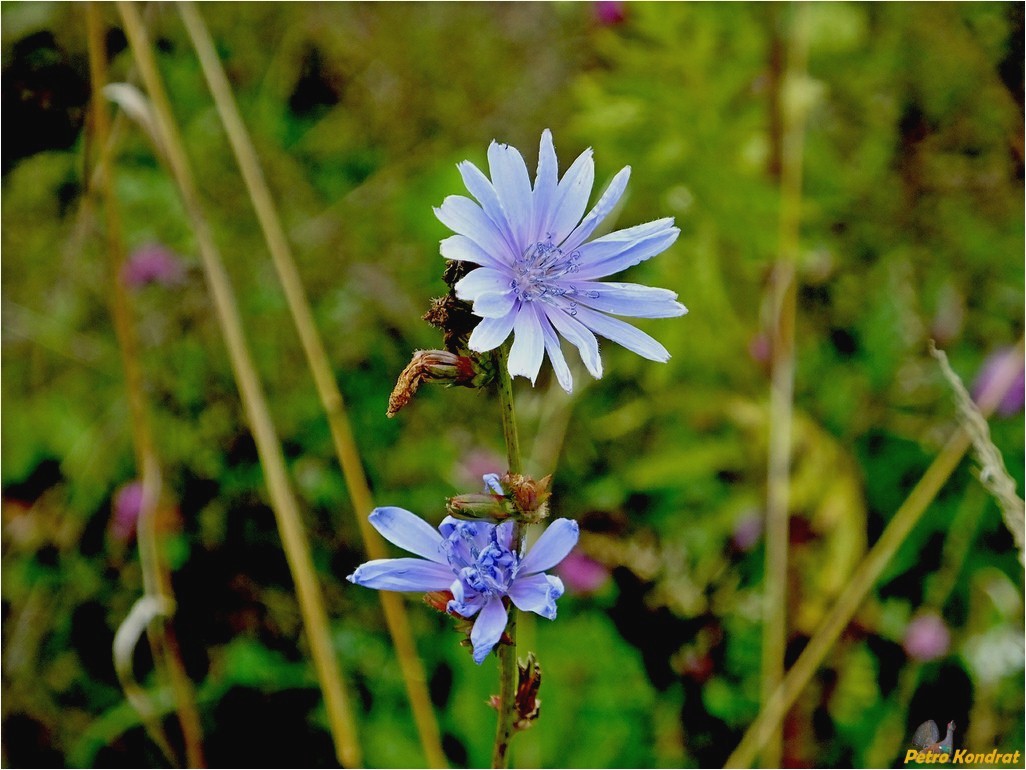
x: 433, y: 366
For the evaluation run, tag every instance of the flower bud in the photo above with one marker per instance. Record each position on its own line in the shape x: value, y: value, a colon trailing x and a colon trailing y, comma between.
x: 478, y: 506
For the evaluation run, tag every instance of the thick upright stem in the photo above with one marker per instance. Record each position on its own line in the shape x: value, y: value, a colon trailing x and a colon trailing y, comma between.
x: 508, y: 652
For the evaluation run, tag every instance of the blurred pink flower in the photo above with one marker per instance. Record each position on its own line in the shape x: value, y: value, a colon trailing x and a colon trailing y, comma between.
x: 475, y: 465
x: 582, y: 574
x: 153, y: 263
x: 760, y: 348
x: 1012, y: 400
x: 747, y: 531
x: 927, y: 637
x: 609, y: 12
x: 127, y: 505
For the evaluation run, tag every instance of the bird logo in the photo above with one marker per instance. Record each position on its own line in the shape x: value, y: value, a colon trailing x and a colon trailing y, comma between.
x: 928, y: 740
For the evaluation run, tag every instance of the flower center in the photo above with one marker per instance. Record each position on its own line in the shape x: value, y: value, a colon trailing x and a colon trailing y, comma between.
x: 478, y: 560
x: 537, y: 269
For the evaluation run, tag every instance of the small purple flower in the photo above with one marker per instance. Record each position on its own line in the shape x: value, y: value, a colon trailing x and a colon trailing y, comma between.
x: 538, y: 274
x: 608, y: 12
x: 995, y: 364
x: 127, y: 507
x: 153, y: 263
x: 927, y: 637
x: 473, y: 560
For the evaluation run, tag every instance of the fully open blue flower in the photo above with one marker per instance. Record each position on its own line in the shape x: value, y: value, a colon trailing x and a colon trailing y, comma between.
x: 538, y: 270
x: 474, y: 561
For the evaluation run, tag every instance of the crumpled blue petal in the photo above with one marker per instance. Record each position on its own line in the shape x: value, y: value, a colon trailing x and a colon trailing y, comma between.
x: 537, y: 593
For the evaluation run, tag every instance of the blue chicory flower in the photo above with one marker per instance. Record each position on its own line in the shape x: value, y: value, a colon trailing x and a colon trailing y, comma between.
x: 473, y: 560
x: 538, y: 274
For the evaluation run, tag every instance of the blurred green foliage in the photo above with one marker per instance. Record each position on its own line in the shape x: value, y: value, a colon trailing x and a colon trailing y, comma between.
x: 912, y: 229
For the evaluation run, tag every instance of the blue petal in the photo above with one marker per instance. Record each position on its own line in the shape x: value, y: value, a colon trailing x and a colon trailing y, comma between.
x: 571, y: 197
x: 402, y: 575
x: 494, y: 304
x: 409, y: 532
x: 479, y: 186
x: 537, y: 593
x: 513, y: 186
x: 462, y: 249
x: 605, y: 204
x: 617, y: 251
x: 552, y: 547
x: 628, y: 299
x: 488, y: 628
x: 525, y: 356
x: 577, y: 334
x: 481, y: 281
x: 552, y: 347
x: 492, y: 485
x: 504, y: 534
x: 463, y: 216
x: 624, y: 334
x: 491, y: 332
x: 545, y: 185
x: 465, y: 600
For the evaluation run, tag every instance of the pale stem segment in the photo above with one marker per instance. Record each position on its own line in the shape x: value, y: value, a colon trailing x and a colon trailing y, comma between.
x: 781, y: 411
x: 508, y: 671
x: 155, y: 574
x: 328, y: 390
x: 254, y: 402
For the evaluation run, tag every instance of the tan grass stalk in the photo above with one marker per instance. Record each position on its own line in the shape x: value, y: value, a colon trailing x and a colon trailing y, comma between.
x: 283, y: 501
x: 320, y: 366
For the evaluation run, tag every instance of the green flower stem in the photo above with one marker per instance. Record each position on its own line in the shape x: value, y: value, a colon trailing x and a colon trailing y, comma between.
x: 346, y: 450
x: 254, y: 402
x: 508, y: 652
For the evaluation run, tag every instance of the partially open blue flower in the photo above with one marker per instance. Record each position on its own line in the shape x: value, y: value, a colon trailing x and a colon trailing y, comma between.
x: 538, y: 274
x: 473, y: 560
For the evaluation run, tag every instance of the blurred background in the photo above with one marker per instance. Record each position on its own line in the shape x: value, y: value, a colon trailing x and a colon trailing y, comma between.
x: 911, y: 230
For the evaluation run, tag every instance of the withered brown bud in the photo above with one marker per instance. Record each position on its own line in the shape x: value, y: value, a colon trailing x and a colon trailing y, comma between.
x: 439, y: 600
x: 433, y: 366
x: 530, y: 498
x: 527, y: 704
x: 450, y: 314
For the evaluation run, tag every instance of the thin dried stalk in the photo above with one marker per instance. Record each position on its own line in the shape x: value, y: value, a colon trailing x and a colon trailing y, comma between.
x: 781, y: 415
x: 320, y: 366
x: 283, y: 501
x: 156, y: 580
x: 848, y: 603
